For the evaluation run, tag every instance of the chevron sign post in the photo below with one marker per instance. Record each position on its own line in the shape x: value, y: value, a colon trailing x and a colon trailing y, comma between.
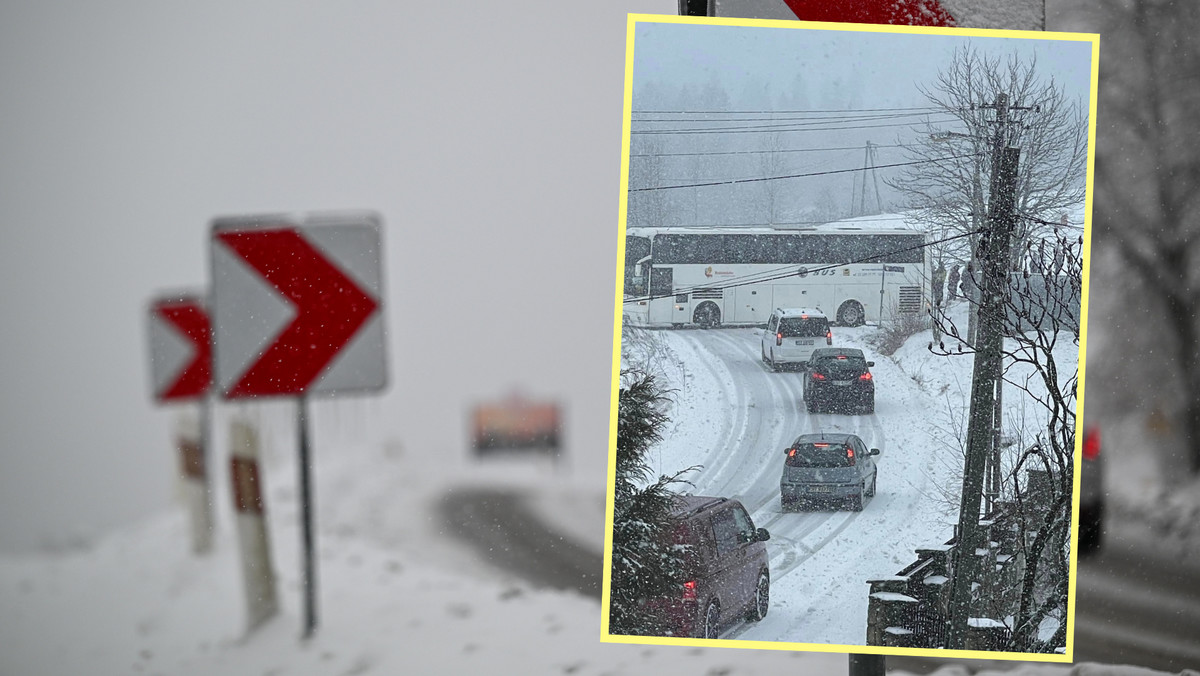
x: 180, y: 354
x: 181, y: 374
x: 296, y: 305
x: 1012, y: 14
x: 297, y: 312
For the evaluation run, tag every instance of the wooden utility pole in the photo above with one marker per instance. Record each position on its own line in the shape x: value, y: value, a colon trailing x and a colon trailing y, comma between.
x: 994, y: 263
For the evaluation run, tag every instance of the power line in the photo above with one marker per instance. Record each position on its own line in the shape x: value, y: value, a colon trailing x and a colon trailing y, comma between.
x: 778, y: 129
x: 792, y: 271
x: 855, y: 118
x: 761, y: 152
x: 735, y: 226
x: 815, y: 173
x: 781, y: 112
x: 1056, y: 224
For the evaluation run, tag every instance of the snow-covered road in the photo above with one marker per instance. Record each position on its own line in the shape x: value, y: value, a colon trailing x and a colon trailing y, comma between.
x: 734, y: 416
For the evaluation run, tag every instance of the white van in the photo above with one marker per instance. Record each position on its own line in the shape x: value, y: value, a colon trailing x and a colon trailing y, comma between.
x: 792, y: 335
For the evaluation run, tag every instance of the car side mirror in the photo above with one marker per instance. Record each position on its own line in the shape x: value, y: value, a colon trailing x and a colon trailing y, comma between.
x: 761, y: 535
x: 873, y: 451
x: 870, y: 363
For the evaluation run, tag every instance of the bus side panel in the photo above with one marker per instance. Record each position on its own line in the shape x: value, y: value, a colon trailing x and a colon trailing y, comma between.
x: 863, y: 291
x: 751, y: 305
x: 792, y: 296
x: 662, y: 311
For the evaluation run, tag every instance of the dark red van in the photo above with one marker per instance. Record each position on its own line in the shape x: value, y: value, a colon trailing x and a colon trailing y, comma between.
x: 726, y: 563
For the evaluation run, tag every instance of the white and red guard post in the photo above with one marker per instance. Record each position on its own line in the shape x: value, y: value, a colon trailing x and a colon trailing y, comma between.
x: 250, y: 515
x: 297, y: 312
x: 181, y: 373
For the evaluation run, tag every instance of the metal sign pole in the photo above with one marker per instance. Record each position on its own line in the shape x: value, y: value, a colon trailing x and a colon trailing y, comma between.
x: 867, y: 665
x: 882, y: 285
x: 309, y: 581
x: 206, y: 456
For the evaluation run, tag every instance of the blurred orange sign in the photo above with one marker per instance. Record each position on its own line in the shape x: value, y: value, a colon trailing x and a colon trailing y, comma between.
x: 515, y: 424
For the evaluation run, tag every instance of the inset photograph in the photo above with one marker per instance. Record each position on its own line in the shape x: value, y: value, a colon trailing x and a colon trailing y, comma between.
x: 849, y: 339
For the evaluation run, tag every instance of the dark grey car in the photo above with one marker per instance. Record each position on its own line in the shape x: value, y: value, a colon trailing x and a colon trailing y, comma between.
x: 839, y: 379
x: 827, y: 468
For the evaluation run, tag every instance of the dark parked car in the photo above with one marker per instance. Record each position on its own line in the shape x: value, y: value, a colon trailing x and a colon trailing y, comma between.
x: 725, y: 559
x: 839, y: 379
x: 825, y: 468
x: 1091, y: 493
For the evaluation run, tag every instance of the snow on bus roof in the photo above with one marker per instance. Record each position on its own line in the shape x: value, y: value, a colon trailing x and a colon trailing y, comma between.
x: 882, y: 223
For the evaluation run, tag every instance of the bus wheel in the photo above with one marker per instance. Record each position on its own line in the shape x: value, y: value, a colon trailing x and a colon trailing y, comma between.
x: 707, y: 316
x: 851, y: 314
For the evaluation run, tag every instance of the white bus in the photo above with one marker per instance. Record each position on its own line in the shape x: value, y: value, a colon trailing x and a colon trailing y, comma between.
x: 737, y: 276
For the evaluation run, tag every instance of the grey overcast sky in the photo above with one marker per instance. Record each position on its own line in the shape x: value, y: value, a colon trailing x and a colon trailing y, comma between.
x: 884, y: 68
x: 487, y: 135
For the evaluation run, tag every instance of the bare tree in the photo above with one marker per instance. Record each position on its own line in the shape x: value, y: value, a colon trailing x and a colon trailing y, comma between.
x: 771, y: 163
x: 647, y: 169
x: 1147, y: 173
x: 950, y: 186
x: 1040, y: 311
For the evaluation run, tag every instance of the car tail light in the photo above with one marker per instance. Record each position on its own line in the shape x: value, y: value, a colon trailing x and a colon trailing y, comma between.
x: 791, y: 452
x: 829, y: 337
x: 779, y: 338
x: 818, y: 376
x: 850, y: 455
x: 1091, y: 444
x: 865, y: 376
x: 821, y: 445
x: 689, y: 590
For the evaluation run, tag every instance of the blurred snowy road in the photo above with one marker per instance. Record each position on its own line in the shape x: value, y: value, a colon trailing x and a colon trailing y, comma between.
x: 502, y: 528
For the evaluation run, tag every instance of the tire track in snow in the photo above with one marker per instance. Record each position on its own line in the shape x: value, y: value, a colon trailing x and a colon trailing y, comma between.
x: 714, y: 459
x: 759, y: 447
x: 786, y: 397
x: 791, y: 559
x: 786, y: 393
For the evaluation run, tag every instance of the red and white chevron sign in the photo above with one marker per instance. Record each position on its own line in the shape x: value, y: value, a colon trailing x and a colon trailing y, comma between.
x: 180, y: 352
x: 1013, y: 14
x: 296, y: 305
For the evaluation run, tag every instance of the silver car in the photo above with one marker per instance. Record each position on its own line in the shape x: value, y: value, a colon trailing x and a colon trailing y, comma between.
x: 826, y: 468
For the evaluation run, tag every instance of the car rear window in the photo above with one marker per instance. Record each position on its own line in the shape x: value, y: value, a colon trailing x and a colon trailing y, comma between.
x: 842, y: 366
x: 803, y: 327
x: 819, y: 455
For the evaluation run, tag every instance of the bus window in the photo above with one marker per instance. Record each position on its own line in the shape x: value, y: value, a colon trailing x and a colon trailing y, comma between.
x: 661, y: 283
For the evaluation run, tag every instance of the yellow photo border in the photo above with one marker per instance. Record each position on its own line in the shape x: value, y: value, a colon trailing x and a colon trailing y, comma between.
x: 627, y: 112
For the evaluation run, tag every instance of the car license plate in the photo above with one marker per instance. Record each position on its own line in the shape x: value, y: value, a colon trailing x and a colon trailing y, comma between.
x: 804, y: 342
x: 819, y: 489
x: 842, y: 383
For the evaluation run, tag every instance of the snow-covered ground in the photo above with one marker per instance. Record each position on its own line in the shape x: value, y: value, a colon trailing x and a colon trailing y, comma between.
x: 734, y: 416
x: 396, y: 597
x: 397, y: 593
